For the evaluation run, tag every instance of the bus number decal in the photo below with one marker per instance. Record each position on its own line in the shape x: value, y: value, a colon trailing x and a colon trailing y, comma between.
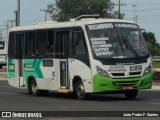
x: 135, y: 68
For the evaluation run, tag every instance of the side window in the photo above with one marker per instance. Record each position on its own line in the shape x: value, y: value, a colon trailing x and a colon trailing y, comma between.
x: 79, y: 46
x: 62, y: 39
x: 50, y: 43
x: 11, y: 45
x: 41, y: 49
x: 19, y: 47
x: 2, y: 43
x: 30, y: 44
x: 45, y: 43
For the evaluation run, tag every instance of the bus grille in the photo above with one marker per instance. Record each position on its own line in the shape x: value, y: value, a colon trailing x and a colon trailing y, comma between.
x: 134, y: 73
x: 125, y: 83
x: 118, y: 74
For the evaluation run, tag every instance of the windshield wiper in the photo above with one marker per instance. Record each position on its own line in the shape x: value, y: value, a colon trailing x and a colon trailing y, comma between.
x: 120, y: 44
x: 129, y: 46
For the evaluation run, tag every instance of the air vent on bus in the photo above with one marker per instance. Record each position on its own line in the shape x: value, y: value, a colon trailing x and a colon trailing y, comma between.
x: 118, y: 74
x: 134, y: 73
x: 125, y: 83
x: 47, y: 22
x: 95, y: 16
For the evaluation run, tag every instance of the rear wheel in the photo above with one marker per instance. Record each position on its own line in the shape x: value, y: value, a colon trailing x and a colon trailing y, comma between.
x: 33, y: 89
x: 131, y: 94
x: 80, y: 91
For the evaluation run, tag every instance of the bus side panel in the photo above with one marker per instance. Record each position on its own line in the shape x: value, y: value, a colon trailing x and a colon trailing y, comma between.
x: 11, y: 68
x: 42, y: 73
x: 29, y: 70
x: 48, y: 81
x: 11, y: 73
x: 78, y: 68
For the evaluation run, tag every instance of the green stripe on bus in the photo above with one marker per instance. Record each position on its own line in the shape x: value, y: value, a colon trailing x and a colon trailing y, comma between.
x: 11, y: 68
x: 38, y: 69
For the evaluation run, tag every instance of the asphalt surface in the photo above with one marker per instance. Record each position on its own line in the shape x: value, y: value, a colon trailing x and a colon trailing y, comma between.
x: 18, y: 100
x: 13, y: 99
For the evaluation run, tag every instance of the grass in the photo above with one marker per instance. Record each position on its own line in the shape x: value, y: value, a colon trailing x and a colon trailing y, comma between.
x: 156, y: 64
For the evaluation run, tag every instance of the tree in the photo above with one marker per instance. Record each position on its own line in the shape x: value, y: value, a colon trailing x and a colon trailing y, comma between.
x: 63, y: 10
x: 152, y: 44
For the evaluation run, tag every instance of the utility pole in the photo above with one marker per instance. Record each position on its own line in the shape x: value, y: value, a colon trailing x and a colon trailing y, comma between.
x: 18, y: 13
x: 119, y: 13
x: 7, y: 25
x: 119, y: 8
x: 46, y: 11
x: 135, y: 16
x: 0, y: 34
x: 12, y: 21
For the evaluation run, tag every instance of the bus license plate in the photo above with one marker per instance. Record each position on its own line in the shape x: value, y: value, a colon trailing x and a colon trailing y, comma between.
x: 127, y: 88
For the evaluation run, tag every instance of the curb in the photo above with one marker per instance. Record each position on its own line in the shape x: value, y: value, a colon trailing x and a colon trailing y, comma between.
x: 3, y: 79
x: 3, y: 73
x: 155, y: 87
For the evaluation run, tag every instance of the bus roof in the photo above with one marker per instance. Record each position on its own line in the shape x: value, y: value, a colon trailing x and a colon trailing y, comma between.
x: 72, y: 23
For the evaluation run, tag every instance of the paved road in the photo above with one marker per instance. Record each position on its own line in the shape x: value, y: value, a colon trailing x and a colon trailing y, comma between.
x: 19, y: 100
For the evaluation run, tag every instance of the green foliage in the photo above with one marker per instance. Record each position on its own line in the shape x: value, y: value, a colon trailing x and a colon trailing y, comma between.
x: 156, y: 64
x: 63, y: 10
x: 152, y: 44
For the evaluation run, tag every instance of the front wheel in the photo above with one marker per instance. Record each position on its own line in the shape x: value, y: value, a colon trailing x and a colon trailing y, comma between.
x: 80, y: 91
x: 131, y: 94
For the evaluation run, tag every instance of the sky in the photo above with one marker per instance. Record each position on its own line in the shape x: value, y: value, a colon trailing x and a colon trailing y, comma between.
x: 147, y: 11
x: 30, y: 12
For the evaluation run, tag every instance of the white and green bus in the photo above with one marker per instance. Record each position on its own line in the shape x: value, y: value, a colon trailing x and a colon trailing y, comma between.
x: 82, y: 56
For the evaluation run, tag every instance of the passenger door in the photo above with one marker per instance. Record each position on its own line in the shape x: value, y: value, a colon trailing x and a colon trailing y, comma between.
x: 19, y: 55
x: 62, y: 40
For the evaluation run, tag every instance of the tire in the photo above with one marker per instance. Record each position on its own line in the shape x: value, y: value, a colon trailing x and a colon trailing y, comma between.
x: 33, y: 89
x: 80, y: 91
x: 131, y: 94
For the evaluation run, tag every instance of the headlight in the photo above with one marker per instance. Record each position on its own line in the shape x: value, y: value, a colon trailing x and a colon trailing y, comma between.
x: 147, y: 70
x: 101, y: 71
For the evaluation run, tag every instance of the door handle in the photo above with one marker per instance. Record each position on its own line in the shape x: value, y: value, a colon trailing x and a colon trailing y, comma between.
x: 71, y: 61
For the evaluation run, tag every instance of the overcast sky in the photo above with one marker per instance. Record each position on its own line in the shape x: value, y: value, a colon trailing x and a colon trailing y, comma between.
x: 30, y: 11
x: 147, y: 11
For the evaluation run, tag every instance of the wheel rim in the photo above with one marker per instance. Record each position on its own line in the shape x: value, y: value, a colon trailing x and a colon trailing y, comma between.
x: 80, y: 90
x: 34, y: 87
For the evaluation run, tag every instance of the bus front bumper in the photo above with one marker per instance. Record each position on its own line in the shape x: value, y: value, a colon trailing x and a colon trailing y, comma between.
x: 106, y: 84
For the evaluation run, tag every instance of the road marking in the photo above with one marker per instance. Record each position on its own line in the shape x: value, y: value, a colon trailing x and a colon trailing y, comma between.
x: 142, y: 102
x: 8, y: 93
x: 6, y: 87
x: 12, y: 93
x: 3, y: 79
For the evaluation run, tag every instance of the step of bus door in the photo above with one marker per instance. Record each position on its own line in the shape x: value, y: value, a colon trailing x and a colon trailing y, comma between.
x: 63, y: 90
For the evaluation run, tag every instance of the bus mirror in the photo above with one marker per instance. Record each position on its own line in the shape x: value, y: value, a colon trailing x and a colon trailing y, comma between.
x: 144, y: 35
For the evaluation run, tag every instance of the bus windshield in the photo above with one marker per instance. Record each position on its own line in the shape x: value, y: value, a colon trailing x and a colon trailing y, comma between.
x: 116, y: 40
x: 2, y: 43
